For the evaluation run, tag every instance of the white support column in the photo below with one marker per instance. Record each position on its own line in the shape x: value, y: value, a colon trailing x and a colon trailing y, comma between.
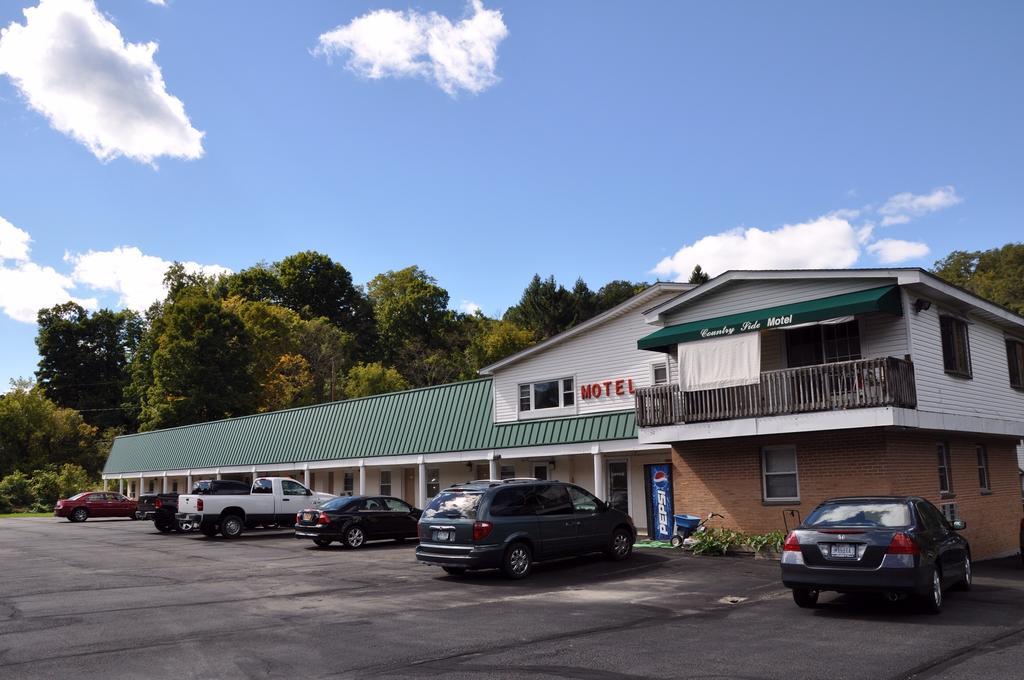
x: 362, y: 478
x: 188, y: 482
x: 599, y: 489
x: 142, y: 486
x: 421, y: 484
x: 105, y: 481
x: 492, y: 467
x: 305, y: 476
x: 120, y: 485
x: 165, y: 483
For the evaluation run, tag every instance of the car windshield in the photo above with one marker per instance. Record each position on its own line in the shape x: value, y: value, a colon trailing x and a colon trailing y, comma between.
x: 453, y: 504
x: 337, y: 503
x: 859, y: 514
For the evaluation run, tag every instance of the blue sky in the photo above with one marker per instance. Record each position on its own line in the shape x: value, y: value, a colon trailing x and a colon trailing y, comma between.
x: 604, y: 140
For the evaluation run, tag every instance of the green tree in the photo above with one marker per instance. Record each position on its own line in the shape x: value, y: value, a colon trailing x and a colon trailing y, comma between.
x: 996, y: 274
x: 84, y: 360
x: 698, y: 275
x: 258, y: 283
x: 17, y: 487
x: 329, y: 353
x: 199, y: 364
x: 35, y: 432
x: 614, y: 293
x: 545, y: 308
x: 72, y: 479
x: 46, y: 485
x: 494, y: 340
x: 365, y: 380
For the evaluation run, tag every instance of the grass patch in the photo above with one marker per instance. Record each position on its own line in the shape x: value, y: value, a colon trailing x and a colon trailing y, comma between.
x: 8, y: 515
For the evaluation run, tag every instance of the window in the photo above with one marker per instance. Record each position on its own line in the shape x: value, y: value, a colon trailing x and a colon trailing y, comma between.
x: 583, y: 501
x: 515, y: 501
x: 553, y: 499
x: 659, y: 373
x: 290, y: 488
x: 373, y: 505
x: 933, y: 518
x: 956, y: 350
x: 330, y: 482
x: 547, y: 395
x: 945, y: 480
x: 395, y: 505
x: 385, y: 482
x: 348, y: 483
x: 454, y: 504
x: 263, y: 486
x: 483, y: 472
x: 174, y: 487
x: 433, y: 482
x: 1015, y: 359
x: 950, y: 511
x: 862, y: 514
x: 508, y: 471
x: 778, y: 465
x: 540, y: 471
x: 983, y: 481
x: 823, y: 344
x: 152, y: 485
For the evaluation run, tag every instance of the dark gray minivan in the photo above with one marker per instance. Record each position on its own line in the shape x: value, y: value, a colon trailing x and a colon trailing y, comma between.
x: 510, y: 524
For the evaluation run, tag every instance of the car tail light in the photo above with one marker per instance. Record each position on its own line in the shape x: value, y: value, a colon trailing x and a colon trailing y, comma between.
x: 199, y: 504
x: 902, y: 544
x: 792, y: 543
x: 323, y: 519
x: 158, y: 504
x: 481, y: 530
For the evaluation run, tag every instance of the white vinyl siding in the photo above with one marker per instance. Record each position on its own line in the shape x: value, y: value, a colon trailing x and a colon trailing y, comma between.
x: 605, y: 352
x: 987, y: 394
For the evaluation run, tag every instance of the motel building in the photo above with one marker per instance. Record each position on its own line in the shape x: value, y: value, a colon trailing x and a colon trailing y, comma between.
x: 759, y: 393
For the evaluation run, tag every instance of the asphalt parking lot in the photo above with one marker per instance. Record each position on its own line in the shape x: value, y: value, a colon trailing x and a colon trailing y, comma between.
x: 116, y: 599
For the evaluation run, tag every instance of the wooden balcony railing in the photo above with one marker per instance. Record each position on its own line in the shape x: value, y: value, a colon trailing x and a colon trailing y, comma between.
x: 863, y: 383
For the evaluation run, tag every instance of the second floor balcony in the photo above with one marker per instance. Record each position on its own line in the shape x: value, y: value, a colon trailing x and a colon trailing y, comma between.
x: 863, y: 383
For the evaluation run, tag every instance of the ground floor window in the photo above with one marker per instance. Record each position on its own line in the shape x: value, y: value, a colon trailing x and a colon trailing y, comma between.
x: 433, y: 482
x: 945, y: 480
x: 348, y: 483
x: 174, y: 487
x: 483, y: 471
x: 540, y: 470
x: 618, y: 485
x: 780, y: 479
x: 983, y: 481
x: 950, y: 511
x: 508, y: 471
x: 385, y: 482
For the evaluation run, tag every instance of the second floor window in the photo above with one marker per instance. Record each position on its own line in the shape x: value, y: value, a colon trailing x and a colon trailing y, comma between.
x: 659, y: 373
x: 1015, y: 358
x: 545, y: 395
x: 827, y: 343
x: 956, y: 350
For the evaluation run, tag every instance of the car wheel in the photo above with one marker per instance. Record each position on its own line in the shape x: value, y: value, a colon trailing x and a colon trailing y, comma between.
x: 79, y: 515
x: 517, y: 561
x: 454, y: 571
x: 354, y: 537
x: 322, y: 542
x: 932, y: 600
x: 209, y: 529
x: 968, y: 579
x: 232, y: 526
x: 135, y: 516
x: 621, y: 546
x: 805, y: 597
x: 163, y: 527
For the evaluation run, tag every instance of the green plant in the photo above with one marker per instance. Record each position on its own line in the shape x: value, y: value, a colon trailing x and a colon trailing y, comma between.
x: 717, y: 541
x: 18, y: 488
x: 41, y: 506
x: 5, y: 505
x: 45, y: 485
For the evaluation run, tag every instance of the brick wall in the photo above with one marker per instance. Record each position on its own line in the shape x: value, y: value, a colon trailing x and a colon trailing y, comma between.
x: 725, y: 476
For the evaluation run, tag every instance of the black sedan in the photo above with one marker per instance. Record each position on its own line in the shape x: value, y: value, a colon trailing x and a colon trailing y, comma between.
x: 354, y: 520
x: 896, y: 545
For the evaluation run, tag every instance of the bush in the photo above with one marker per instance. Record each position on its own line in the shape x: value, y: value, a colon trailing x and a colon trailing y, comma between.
x: 5, y: 505
x: 772, y: 541
x: 72, y: 479
x: 18, y: 489
x: 717, y: 541
x: 46, y: 486
x: 41, y: 506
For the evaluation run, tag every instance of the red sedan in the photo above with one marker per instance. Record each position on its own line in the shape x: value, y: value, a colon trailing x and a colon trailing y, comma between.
x: 81, y: 507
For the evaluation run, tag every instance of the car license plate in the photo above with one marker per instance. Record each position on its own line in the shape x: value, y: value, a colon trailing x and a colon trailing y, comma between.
x: 443, y: 535
x: 306, y: 516
x: 844, y: 550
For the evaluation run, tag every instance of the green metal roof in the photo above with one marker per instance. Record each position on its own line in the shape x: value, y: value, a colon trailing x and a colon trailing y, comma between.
x: 456, y: 417
x: 882, y: 299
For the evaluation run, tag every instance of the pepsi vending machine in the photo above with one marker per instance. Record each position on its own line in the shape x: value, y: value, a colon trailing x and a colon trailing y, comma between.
x: 658, y: 485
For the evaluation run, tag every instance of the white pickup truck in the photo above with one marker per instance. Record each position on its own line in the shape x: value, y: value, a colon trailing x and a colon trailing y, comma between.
x: 271, y: 503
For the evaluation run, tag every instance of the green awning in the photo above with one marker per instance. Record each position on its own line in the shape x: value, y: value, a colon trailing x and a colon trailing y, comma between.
x: 884, y: 299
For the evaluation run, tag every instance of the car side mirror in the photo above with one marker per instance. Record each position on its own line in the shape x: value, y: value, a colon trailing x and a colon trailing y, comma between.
x: 959, y: 525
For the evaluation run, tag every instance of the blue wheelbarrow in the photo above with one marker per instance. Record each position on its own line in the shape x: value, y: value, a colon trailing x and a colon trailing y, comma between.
x: 688, y: 525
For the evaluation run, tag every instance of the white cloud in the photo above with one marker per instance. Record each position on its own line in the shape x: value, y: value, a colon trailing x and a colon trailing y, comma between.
x: 469, y: 307
x: 388, y: 43
x: 13, y: 242
x: 825, y: 243
x: 136, y: 277
x: 72, y: 65
x: 26, y: 288
x: 901, y: 208
x: 162, y: 3
x: 892, y: 251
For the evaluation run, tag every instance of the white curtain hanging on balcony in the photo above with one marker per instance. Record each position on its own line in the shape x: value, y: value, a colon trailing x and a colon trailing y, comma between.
x: 720, y: 362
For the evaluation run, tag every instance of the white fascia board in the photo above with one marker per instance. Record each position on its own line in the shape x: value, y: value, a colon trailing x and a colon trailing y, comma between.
x: 934, y: 283
x: 654, y: 314
x: 636, y: 300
